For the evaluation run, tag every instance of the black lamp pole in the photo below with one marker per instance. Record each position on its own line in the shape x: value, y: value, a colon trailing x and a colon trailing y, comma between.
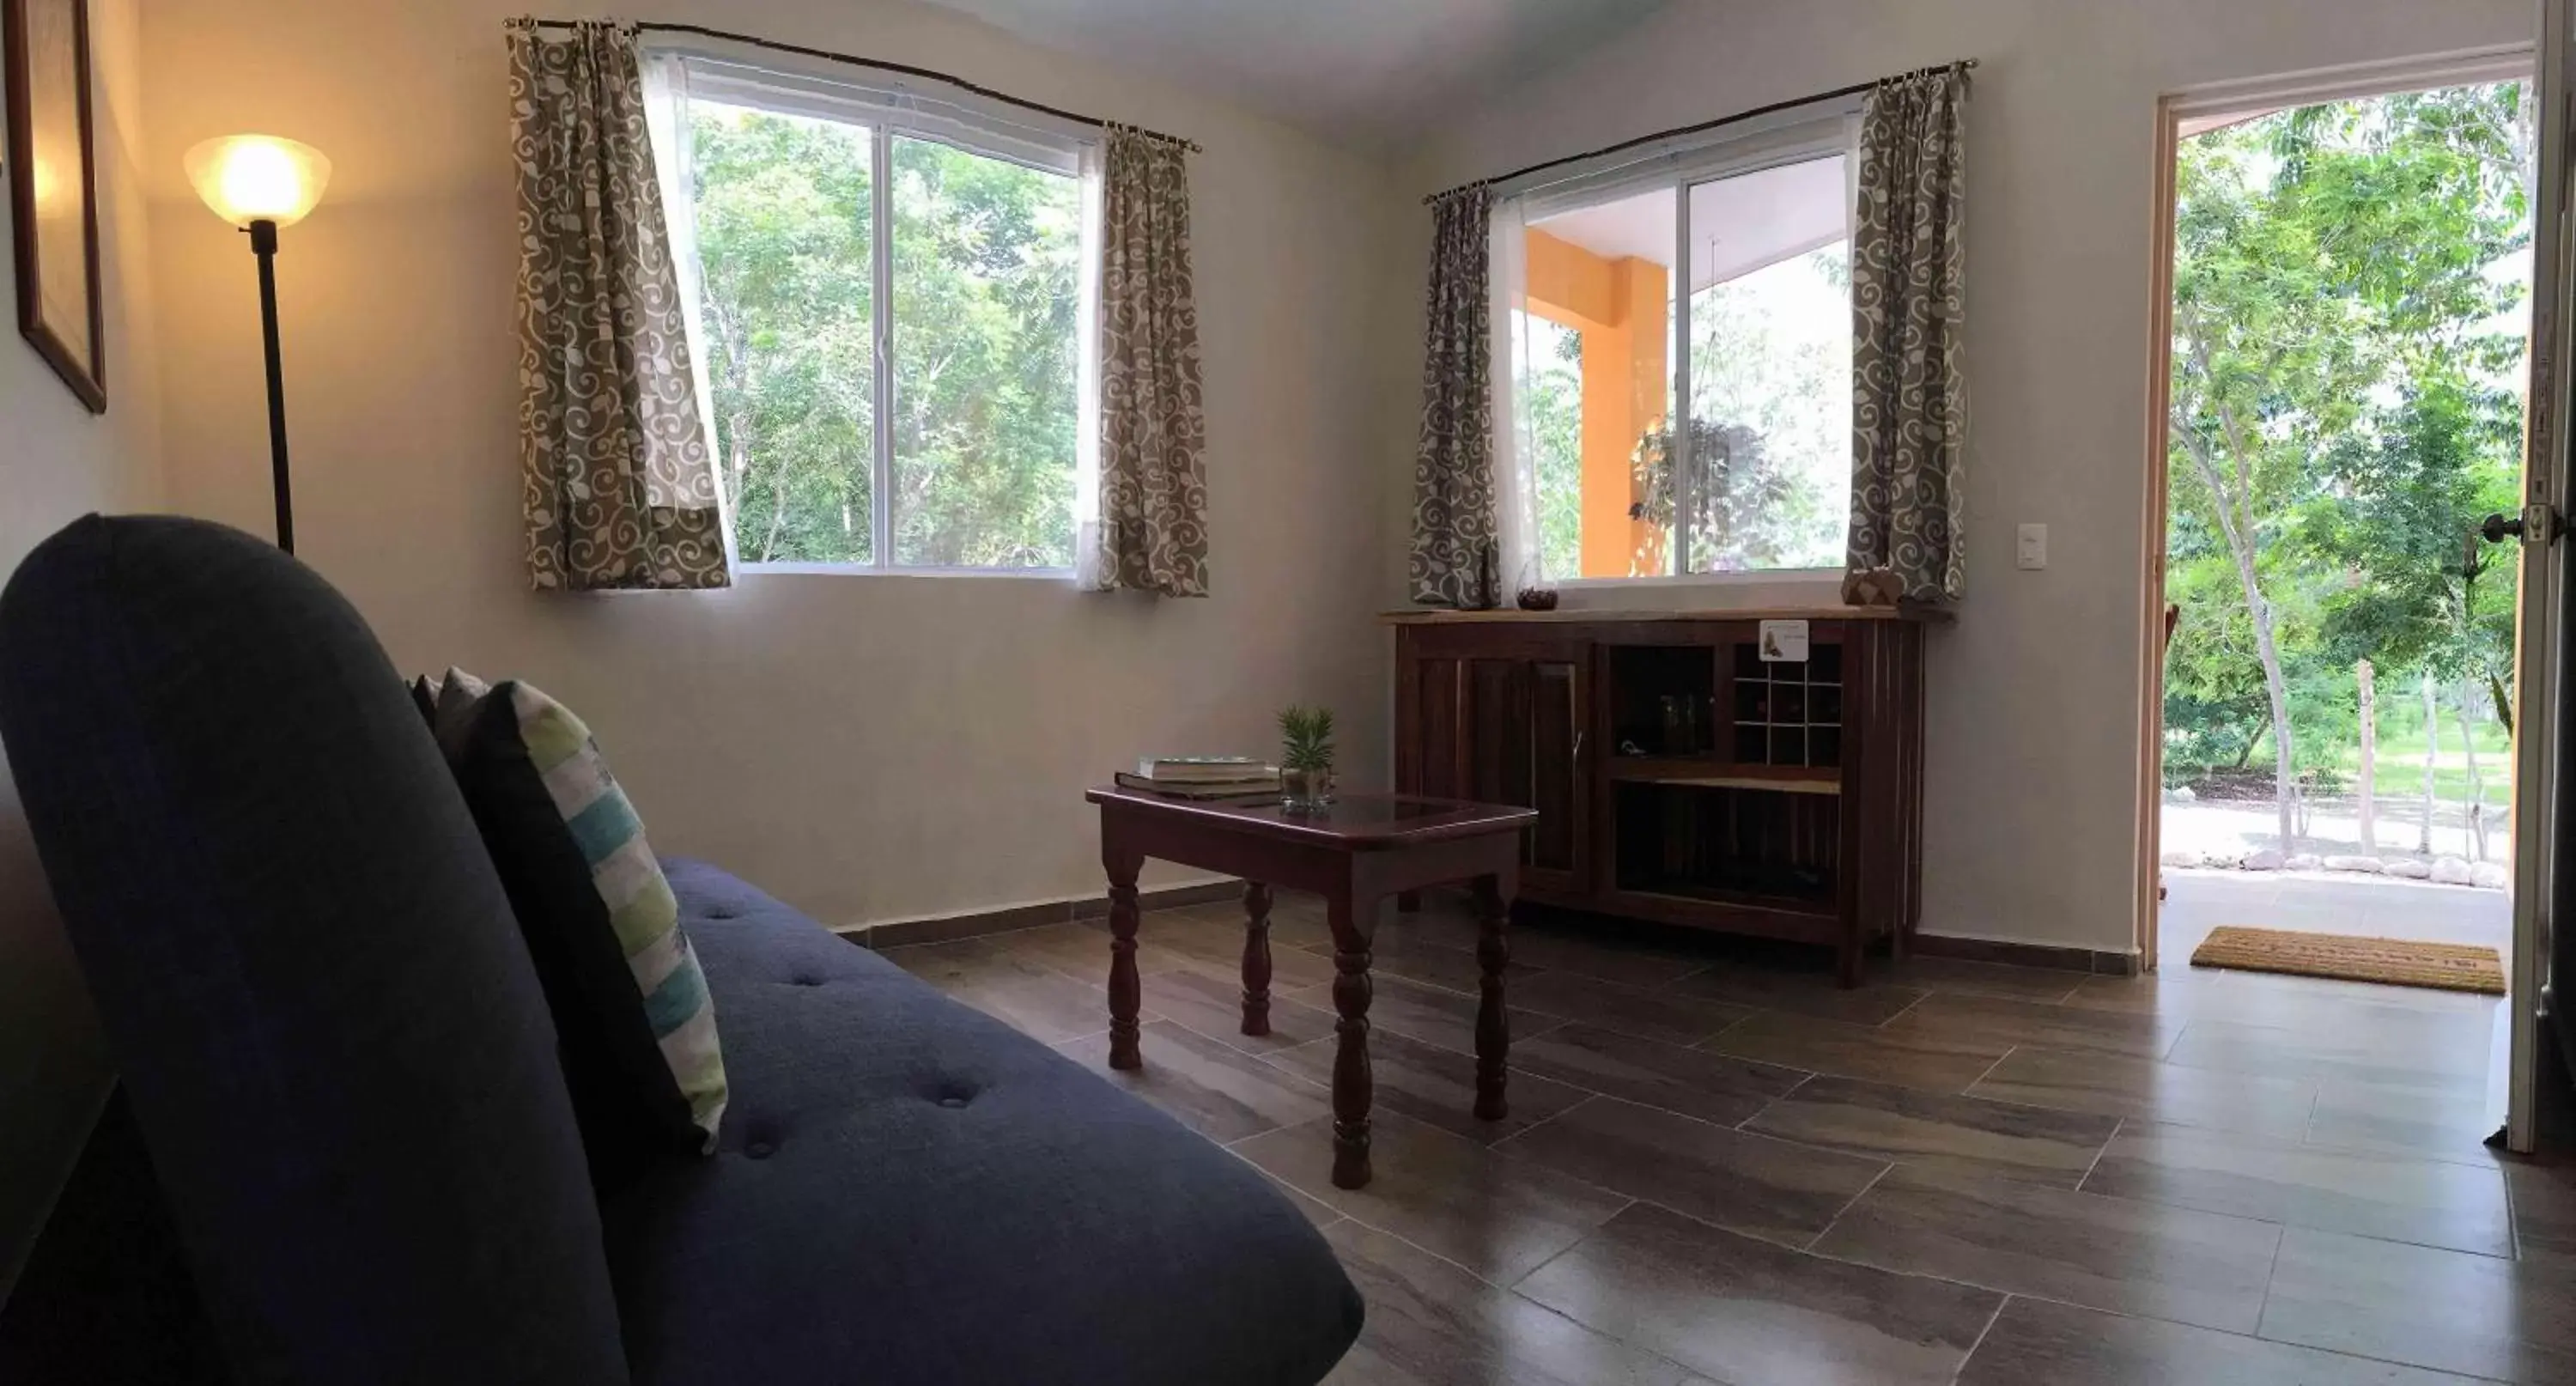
x: 263, y: 243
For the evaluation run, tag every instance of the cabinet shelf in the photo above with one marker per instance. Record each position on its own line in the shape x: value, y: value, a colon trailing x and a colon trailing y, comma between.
x: 1689, y: 772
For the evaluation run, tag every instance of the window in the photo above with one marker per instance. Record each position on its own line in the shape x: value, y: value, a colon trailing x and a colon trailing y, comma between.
x: 1728, y: 288
x: 892, y: 311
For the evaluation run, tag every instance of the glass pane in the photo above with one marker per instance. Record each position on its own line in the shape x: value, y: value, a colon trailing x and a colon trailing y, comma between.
x: 987, y: 302
x: 1594, y: 363
x: 1770, y: 369
x: 783, y: 226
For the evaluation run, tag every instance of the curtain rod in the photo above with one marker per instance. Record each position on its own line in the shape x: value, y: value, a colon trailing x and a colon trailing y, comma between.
x: 933, y: 74
x: 1721, y: 122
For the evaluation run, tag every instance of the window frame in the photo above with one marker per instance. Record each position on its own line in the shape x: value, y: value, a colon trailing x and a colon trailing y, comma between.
x: 1817, y: 133
x: 888, y: 106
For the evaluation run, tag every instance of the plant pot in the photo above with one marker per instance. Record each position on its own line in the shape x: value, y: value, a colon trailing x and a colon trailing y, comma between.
x: 1305, y: 791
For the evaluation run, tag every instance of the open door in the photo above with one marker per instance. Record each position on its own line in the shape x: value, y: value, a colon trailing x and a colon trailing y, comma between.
x: 2544, y: 885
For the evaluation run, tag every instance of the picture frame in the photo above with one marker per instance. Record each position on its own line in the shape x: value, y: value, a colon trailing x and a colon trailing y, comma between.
x: 53, y: 189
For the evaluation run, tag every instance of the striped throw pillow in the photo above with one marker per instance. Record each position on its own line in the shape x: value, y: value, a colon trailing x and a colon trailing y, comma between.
x: 637, y: 1028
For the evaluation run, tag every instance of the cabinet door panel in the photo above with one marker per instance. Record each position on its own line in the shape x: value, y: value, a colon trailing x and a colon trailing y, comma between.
x: 1558, y: 720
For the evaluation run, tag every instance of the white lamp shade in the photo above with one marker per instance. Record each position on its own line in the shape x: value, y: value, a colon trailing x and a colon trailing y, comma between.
x: 247, y: 178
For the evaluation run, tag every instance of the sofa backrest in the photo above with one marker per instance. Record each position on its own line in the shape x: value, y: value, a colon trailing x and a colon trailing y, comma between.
x: 305, y: 966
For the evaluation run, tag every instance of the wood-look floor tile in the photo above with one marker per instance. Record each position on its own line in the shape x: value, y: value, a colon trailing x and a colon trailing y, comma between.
x: 1213, y: 1006
x: 1694, y: 1082
x: 2348, y: 1052
x: 2036, y: 1343
x: 1500, y: 1218
x: 1431, y: 1324
x: 1811, y: 994
x: 2437, y: 1123
x: 1917, y: 1059
x: 2006, y: 1023
x: 1222, y: 1093
x: 2399, y: 1198
x: 1081, y: 952
x: 1318, y: 1212
x: 1432, y: 1015
x: 1446, y: 968
x: 2108, y: 1253
x: 1962, y: 977
x: 1026, y: 994
x: 1217, y: 949
x: 1654, y: 1015
x: 1747, y: 1183
x: 2544, y: 1202
x: 2446, y: 1310
x: 1745, y: 1310
x: 2152, y: 993
x: 2032, y: 1144
x: 2145, y: 1090
x: 1434, y: 1085
x: 1566, y: 948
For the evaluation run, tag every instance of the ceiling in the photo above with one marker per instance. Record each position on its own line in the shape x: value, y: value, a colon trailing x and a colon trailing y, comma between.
x: 1363, y: 72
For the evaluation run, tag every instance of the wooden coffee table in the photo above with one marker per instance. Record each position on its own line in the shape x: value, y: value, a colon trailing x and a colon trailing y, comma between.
x: 1361, y: 850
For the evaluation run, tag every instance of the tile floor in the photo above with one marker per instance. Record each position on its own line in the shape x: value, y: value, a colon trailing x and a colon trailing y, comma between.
x: 1720, y: 1168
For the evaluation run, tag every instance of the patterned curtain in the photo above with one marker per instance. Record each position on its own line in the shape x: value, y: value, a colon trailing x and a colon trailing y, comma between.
x: 1909, y: 392
x: 1153, y: 479
x: 1455, y: 555
x: 618, y: 488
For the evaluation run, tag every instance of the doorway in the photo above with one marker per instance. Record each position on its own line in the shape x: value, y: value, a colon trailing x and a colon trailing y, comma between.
x: 2344, y: 313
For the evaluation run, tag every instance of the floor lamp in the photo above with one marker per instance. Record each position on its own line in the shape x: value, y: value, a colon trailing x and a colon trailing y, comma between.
x: 261, y: 183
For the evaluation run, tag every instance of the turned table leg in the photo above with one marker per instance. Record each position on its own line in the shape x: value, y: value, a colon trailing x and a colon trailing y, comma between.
x: 1126, y: 990
x: 1493, y: 1023
x: 1353, y: 1088
x: 1256, y: 958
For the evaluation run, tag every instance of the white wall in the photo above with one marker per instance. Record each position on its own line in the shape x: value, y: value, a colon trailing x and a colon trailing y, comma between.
x: 865, y: 747
x: 58, y: 462
x: 2032, y: 777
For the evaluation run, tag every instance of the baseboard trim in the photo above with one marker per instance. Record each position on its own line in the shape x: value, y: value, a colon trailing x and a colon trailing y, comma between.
x: 948, y: 928
x: 2055, y: 957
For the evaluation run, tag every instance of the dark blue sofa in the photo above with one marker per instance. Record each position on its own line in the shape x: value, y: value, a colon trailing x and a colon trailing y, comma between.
x: 345, y: 1074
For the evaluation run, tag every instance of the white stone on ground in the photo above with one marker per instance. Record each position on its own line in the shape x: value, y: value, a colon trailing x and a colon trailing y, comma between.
x: 2184, y: 857
x: 2368, y: 866
x: 2488, y: 875
x: 2407, y: 868
x: 2303, y: 861
x: 2451, y: 871
x: 2264, y: 859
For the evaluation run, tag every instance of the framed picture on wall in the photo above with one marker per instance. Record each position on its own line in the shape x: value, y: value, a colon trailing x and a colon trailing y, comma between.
x: 53, y: 189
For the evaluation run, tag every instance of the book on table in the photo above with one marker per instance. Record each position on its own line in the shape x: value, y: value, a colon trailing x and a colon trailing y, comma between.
x: 1164, y: 770
x: 1256, y: 787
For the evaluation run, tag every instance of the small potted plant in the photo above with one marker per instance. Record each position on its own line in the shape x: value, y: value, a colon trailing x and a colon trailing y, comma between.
x: 1306, y: 758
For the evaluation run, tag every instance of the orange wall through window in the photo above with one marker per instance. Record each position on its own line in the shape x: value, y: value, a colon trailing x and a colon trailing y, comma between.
x: 1622, y: 309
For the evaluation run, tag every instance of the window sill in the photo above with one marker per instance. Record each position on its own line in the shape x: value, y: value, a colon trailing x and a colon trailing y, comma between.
x: 869, y: 571
x: 1781, y: 576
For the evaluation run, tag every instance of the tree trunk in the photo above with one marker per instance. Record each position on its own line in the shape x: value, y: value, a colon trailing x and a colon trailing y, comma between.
x: 2369, y: 702
x: 2432, y: 751
x: 2285, y: 787
x: 2477, y: 782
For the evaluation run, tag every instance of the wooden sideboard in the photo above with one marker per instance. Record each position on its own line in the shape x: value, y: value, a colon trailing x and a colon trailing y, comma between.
x: 1678, y: 776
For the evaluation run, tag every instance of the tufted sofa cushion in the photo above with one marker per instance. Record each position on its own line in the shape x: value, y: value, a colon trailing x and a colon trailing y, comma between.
x: 905, y: 1190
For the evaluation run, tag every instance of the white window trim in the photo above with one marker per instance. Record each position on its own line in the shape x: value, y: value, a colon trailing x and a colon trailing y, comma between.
x: 1821, y: 131
x: 889, y: 104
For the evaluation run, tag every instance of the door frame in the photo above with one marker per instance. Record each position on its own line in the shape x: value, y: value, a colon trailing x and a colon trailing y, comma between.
x: 2218, y: 101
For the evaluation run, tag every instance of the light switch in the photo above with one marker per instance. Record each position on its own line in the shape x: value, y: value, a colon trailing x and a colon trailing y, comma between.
x: 2031, y: 551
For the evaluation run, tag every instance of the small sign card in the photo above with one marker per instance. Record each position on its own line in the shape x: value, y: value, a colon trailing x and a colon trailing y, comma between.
x: 1784, y: 642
